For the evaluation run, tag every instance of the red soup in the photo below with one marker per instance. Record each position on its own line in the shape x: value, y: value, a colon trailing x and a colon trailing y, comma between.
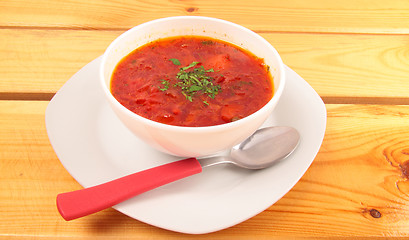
x: 192, y: 81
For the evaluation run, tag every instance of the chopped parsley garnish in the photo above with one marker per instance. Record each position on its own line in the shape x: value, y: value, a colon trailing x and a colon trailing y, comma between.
x: 175, y: 61
x: 189, y: 66
x: 165, y: 85
x: 207, y: 42
x: 194, y: 81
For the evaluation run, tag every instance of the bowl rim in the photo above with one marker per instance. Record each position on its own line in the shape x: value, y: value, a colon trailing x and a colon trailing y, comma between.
x: 273, y: 101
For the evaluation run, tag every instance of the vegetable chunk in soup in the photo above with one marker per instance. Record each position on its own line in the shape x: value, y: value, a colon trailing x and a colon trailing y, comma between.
x: 192, y: 81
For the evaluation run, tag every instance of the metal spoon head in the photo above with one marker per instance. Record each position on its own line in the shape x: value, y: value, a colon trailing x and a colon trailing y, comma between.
x: 265, y: 147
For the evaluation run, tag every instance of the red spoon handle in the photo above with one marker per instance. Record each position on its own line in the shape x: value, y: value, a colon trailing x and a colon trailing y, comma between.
x: 76, y: 204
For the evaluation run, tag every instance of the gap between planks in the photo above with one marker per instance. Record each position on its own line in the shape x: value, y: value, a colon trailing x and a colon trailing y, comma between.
x: 26, y: 96
x: 366, y: 100
x: 29, y: 96
x: 123, y: 29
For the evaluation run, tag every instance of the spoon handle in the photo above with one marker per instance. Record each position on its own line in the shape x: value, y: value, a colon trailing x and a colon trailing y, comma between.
x: 76, y: 204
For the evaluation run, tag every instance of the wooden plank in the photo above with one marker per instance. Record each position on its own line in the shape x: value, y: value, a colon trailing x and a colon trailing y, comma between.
x: 36, y: 63
x: 358, y: 183
x: 356, y: 187
x: 41, y: 61
x: 352, y: 16
x: 347, y: 66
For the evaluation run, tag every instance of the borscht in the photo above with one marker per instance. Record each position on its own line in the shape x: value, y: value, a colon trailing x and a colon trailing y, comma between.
x: 192, y: 81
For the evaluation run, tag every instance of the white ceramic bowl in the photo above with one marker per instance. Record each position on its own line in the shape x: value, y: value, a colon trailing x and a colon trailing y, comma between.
x: 191, y: 141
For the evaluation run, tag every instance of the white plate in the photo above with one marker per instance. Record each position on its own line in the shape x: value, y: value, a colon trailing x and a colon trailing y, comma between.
x: 95, y: 147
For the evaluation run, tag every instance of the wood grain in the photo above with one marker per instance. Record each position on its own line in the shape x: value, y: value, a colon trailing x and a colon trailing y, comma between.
x: 39, y: 61
x: 349, y: 16
x: 354, y: 53
x: 357, y: 186
x: 340, y: 67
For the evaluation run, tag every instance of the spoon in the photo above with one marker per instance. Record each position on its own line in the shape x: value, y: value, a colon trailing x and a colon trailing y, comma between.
x: 260, y: 150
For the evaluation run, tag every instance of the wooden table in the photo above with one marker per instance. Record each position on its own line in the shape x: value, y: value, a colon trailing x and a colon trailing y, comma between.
x: 354, y: 53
